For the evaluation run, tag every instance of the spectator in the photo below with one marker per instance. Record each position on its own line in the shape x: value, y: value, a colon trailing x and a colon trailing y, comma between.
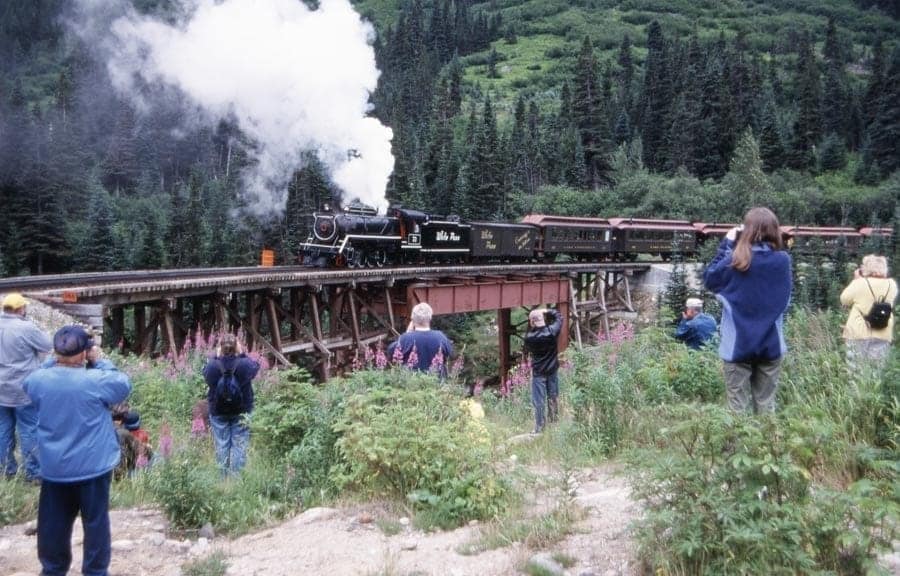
x: 695, y: 328
x: 229, y: 413
x: 870, y: 284
x: 541, y: 343
x: 751, y: 277
x: 134, y: 443
x: 78, y: 451
x: 21, y: 346
x: 427, y: 343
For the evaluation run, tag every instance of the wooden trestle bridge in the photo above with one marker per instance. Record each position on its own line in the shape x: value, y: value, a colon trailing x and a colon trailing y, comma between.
x: 324, y: 318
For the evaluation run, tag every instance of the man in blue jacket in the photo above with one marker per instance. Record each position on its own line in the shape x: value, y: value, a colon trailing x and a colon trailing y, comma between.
x: 22, y: 344
x: 78, y: 451
x: 696, y: 328
x: 432, y: 347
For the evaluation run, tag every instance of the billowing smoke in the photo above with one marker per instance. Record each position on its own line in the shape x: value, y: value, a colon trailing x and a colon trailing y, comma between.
x: 295, y: 79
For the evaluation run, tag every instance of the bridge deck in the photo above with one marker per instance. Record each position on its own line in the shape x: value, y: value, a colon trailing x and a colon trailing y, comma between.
x: 118, y: 288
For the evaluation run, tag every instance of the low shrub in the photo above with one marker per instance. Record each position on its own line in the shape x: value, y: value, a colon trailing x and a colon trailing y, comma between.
x: 404, y: 436
x: 185, y: 485
x: 725, y: 493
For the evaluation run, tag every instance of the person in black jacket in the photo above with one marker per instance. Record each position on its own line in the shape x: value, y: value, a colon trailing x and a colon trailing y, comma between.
x: 228, y: 420
x: 541, y: 343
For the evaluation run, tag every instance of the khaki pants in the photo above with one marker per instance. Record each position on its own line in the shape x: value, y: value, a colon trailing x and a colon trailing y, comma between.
x: 751, y: 386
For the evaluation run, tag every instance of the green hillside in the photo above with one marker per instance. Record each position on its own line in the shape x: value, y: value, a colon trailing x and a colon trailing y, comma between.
x: 548, y: 33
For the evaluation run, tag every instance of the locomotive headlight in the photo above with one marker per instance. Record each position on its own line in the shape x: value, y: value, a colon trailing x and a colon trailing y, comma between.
x: 324, y: 227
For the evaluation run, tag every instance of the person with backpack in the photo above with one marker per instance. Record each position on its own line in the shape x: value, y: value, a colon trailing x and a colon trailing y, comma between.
x: 870, y: 324
x: 229, y: 378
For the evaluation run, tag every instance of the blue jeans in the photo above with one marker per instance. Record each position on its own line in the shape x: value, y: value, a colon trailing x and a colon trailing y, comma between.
x: 544, y: 390
x: 24, y: 419
x: 59, y: 504
x: 232, y: 436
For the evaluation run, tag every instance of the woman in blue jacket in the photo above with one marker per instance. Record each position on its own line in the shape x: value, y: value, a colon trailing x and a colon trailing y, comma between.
x: 751, y: 277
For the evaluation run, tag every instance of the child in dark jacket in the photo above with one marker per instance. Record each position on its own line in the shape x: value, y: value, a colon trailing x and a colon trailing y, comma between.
x: 751, y: 277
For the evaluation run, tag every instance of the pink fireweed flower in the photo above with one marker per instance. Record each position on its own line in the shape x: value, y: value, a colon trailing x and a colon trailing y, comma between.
x: 413, y: 361
x: 437, y: 363
x: 198, y: 427
x: 142, y: 460
x: 478, y: 390
x: 381, y: 360
x: 397, y: 357
x: 457, y: 367
x: 165, y: 441
x: 370, y: 356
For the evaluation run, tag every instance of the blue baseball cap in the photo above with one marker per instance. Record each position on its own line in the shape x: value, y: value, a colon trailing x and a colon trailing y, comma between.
x: 72, y: 340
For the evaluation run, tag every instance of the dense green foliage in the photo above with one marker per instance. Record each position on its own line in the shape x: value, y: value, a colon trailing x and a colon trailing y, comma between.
x: 809, y: 490
x: 497, y: 108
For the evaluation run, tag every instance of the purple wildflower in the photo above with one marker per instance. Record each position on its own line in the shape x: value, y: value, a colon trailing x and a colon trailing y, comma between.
x: 413, y: 361
x: 165, y: 441
x: 198, y: 427
x: 370, y: 356
x: 437, y: 363
x: 381, y: 360
x: 142, y: 460
x: 457, y: 367
x: 397, y: 357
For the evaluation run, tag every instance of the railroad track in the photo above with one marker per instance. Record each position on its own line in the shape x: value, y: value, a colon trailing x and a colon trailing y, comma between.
x: 85, y: 286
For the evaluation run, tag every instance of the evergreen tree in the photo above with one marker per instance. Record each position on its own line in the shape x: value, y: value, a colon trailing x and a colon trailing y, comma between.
x: 308, y: 191
x: 832, y: 50
x: 656, y: 98
x: 808, y: 126
x: 590, y: 117
x: 676, y: 291
x: 875, y: 86
x: 622, y: 131
x: 833, y: 154
x: 885, y: 131
x: 867, y: 169
x: 625, y: 79
x: 746, y: 181
x: 834, y: 101
x: 771, y: 149
x: 493, y: 58
x: 101, y: 244
x: 486, y: 198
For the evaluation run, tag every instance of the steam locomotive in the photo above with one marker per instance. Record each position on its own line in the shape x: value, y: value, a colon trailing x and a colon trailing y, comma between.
x: 357, y: 237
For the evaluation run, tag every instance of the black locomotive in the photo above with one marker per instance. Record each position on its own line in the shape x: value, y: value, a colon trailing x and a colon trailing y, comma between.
x: 358, y: 237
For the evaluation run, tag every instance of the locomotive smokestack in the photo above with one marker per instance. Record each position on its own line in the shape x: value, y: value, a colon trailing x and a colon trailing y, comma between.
x: 295, y: 79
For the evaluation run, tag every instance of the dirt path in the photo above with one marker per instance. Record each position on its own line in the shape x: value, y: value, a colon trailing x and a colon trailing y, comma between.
x: 346, y: 542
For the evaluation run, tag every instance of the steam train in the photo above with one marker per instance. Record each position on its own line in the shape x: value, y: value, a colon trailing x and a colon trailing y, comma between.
x: 358, y: 237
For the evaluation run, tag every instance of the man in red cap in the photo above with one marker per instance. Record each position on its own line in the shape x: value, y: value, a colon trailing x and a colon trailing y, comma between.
x: 78, y: 450
x: 21, y: 346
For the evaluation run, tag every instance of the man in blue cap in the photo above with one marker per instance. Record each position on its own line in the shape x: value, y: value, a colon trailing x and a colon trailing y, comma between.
x: 78, y: 451
x: 22, y: 345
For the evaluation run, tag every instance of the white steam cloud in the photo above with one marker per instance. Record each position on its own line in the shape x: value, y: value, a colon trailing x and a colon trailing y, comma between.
x: 295, y: 79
